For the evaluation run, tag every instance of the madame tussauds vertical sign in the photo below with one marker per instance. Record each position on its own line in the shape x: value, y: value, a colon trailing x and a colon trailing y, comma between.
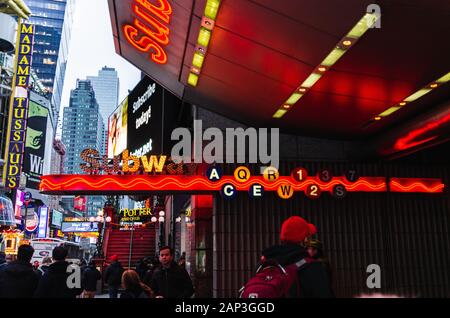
x: 19, y: 106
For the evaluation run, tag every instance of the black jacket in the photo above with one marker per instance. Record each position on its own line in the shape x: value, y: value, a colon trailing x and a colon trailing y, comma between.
x: 90, y: 277
x: 18, y: 280
x: 172, y: 282
x: 113, y: 274
x: 53, y: 283
x: 148, y: 277
x: 134, y: 294
x: 313, y: 277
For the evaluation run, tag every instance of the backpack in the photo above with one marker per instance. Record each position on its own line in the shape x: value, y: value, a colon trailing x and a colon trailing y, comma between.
x: 273, y: 280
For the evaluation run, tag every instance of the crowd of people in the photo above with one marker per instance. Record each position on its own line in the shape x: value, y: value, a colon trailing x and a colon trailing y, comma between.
x: 162, y: 277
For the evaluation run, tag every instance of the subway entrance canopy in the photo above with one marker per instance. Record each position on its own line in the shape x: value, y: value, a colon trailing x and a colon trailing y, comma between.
x: 350, y: 70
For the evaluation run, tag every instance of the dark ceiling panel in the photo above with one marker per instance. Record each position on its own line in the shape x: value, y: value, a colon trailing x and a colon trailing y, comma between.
x: 334, y: 17
x: 261, y: 50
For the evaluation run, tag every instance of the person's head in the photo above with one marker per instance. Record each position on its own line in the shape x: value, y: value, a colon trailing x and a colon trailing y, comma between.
x: 114, y: 258
x: 47, y: 260
x: 295, y: 230
x: 92, y: 263
x: 36, y: 264
x: 315, y: 249
x: 166, y: 255
x: 59, y: 254
x: 25, y: 253
x: 131, y: 280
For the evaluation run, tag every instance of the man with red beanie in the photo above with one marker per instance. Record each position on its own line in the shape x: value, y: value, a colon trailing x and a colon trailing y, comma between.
x: 313, y: 280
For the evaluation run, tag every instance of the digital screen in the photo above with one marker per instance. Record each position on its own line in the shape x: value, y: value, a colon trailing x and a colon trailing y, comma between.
x: 79, y: 227
x: 152, y: 116
x: 57, y: 218
x: 118, y: 130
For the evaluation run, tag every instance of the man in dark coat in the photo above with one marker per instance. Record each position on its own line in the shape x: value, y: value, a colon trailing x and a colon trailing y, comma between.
x: 170, y: 280
x: 90, y: 277
x: 18, y: 279
x: 54, y: 283
x: 2, y: 259
x: 313, y: 278
x: 113, y: 276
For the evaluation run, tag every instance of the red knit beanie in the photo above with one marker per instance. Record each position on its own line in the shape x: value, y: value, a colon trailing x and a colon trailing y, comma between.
x: 114, y: 258
x: 296, y: 229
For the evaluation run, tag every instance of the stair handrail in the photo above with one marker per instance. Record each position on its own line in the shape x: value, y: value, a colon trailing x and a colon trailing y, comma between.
x: 106, y: 240
x: 131, y: 245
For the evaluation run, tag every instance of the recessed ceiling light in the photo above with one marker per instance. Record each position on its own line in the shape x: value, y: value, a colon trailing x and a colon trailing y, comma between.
x: 358, y: 30
x: 204, y: 37
x: 195, y: 70
x: 377, y: 118
x: 414, y: 96
x: 347, y: 42
x: 286, y: 106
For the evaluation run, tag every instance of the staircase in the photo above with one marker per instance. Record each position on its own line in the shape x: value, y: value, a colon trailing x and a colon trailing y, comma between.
x: 119, y: 243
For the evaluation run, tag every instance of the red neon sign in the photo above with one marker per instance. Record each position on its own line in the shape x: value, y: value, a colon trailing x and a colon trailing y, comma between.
x: 76, y: 184
x: 413, y: 138
x: 416, y: 185
x: 148, y: 34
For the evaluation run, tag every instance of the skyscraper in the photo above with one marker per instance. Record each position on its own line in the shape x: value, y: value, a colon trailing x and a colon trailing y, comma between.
x: 82, y: 128
x: 106, y: 88
x: 53, y: 20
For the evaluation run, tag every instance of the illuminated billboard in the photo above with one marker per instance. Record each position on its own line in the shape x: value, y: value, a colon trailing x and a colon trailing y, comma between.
x: 15, y: 140
x: 33, y: 162
x: 118, y: 130
x: 153, y: 113
x: 79, y: 227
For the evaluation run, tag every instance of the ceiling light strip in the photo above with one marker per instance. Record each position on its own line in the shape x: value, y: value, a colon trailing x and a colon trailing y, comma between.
x: 364, y: 24
x: 413, y: 97
x: 203, y: 40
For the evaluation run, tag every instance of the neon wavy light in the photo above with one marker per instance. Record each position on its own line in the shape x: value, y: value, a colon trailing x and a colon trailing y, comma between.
x: 77, y: 183
x: 406, y: 185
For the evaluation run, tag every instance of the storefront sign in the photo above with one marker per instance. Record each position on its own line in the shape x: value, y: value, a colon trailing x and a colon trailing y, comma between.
x: 19, y: 107
x: 79, y: 203
x: 32, y: 222
x: 73, y: 227
x: 57, y: 218
x: 135, y: 216
x: 43, y: 222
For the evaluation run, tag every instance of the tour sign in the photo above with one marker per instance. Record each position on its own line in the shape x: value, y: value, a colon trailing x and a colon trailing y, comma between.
x: 135, y: 216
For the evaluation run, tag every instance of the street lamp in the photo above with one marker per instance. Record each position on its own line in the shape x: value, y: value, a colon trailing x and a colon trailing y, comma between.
x: 101, y: 222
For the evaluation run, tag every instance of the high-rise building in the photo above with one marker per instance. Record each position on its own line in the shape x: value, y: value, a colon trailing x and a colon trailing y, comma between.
x: 53, y: 20
x: 82, y: 128
x: 106, y: 88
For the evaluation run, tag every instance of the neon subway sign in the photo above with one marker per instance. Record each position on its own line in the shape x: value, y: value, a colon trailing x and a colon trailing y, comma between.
x: 149, y: 31
x: 241, y: 181
x: 129, y: 164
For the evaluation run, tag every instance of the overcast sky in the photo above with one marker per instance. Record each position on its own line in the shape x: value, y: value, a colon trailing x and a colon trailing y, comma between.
x: 92, y: 47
